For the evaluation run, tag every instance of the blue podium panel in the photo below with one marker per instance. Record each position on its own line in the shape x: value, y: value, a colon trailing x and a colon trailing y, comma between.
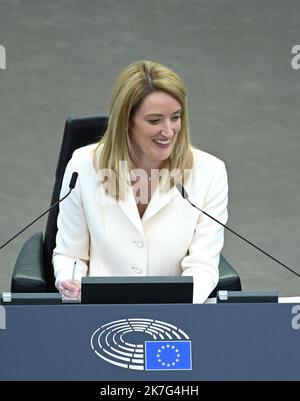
x: 150, y: 342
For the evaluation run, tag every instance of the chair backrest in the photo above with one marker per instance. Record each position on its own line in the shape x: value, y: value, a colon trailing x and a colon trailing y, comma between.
x: 79, y: 131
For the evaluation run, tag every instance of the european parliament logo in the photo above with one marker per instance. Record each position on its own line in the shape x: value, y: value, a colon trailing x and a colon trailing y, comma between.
x: 143, y: 344
x: 168, y: 355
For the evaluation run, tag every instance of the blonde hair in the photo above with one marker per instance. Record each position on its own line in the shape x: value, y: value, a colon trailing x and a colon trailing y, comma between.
x: 132, y: 86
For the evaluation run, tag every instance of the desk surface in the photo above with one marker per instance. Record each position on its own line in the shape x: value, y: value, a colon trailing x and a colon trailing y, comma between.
x: 228, y: 341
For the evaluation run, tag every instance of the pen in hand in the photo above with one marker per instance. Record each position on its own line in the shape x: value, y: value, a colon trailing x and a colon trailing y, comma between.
x: 74, y: 271
x: 71, y: 288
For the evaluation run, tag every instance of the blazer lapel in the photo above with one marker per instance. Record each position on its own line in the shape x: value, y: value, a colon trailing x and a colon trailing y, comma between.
x: 129, y: 207
x: 158, y: 201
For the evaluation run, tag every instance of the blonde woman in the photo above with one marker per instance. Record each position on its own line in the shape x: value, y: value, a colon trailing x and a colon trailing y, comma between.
x: 125, y: 216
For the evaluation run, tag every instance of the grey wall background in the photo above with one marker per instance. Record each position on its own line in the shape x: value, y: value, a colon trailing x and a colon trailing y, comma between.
x: 235, y: 58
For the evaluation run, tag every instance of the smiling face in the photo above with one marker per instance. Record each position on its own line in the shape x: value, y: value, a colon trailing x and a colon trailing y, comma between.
x: 154, y: 128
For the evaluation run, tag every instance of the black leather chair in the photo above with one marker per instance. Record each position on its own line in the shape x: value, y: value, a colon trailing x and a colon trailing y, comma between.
x: 33, y: 270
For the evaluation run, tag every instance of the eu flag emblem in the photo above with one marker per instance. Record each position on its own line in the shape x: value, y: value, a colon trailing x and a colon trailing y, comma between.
x: 168, y: 355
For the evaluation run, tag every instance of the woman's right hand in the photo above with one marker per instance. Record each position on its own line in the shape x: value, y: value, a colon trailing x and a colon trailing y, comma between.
x: 71, y: 289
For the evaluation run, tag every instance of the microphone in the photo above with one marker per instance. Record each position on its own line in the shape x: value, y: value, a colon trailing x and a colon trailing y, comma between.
x: 184, y: 194
x: 71, y: 186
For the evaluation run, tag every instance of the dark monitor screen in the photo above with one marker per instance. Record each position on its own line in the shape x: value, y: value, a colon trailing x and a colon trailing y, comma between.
x: 137, y: 290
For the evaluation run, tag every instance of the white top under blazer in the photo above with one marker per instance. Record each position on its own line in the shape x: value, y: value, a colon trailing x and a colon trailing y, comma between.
x: 109, y: 238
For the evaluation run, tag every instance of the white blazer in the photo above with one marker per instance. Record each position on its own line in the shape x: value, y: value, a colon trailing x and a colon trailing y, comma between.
x: 108, y: 238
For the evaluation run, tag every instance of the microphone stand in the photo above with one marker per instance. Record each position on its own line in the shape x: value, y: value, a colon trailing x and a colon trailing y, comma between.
x: 71, y: 186
x: 184, y: 194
